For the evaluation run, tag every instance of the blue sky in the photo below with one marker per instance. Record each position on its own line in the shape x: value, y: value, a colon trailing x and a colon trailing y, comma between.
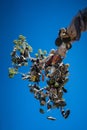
x: 39, y: 21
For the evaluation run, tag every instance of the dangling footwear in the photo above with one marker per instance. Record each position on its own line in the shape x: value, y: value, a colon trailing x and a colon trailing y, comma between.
x: 49, y: 106
x: 61, y: 103
x: 41, y: 111
x: 64, y: 90
x: 67, y: 114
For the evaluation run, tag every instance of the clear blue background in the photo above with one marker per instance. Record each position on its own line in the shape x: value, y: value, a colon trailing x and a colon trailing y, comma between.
x: 39, y: 21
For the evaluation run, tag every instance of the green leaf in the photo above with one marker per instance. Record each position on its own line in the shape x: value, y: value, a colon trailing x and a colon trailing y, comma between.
x: 44, y: 52
x: 21, y: 37
x: 15, y: 41
x: 12, y: 72
x: 36, y: 55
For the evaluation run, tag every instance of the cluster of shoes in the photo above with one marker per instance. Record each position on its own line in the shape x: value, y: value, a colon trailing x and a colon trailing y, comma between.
x: 44, y: 68
x: 51, y: 96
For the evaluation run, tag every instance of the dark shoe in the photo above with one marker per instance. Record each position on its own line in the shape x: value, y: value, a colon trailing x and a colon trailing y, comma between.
x: 61, y: 103
x: 49, y: 106
x: 41, y: 111
x: 64, y: 90
x: 42, y: 102
x: 67, y: 114
x: 58, y: 42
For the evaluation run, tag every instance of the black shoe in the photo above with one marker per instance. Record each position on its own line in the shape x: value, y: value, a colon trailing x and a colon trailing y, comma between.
x: 64, y: 90
x: 67, y: 114
x: 58, y: 42
x: 41, y: 111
